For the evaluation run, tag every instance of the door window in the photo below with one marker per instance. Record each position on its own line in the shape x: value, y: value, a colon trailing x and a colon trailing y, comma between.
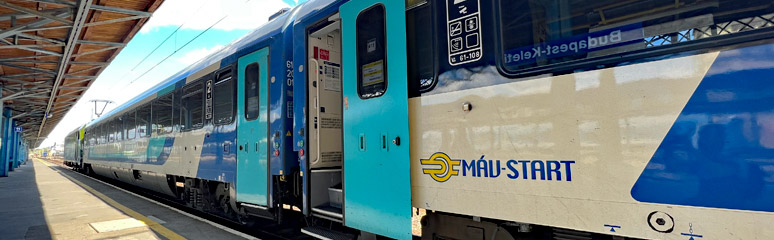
x: 252, y: 80
x: 371, y: 52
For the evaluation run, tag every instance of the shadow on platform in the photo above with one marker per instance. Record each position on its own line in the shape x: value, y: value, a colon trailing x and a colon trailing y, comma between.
x: 22, y: 215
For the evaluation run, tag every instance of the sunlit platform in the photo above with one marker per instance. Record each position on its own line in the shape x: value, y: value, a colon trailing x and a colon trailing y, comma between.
x: 42, y: 200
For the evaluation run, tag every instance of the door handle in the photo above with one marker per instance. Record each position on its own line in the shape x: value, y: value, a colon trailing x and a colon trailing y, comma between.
x: 362, y: 143
x: 396, y: 141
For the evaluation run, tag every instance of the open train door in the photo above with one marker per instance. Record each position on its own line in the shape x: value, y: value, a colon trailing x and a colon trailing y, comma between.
x: 377, y: 186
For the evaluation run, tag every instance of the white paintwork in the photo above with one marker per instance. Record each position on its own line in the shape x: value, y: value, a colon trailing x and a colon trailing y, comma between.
x: 609, y: 121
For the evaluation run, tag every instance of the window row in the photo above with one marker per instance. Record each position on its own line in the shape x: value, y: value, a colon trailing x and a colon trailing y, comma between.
x: 536, y: 33
x: 559, y: 36
x: 181, y: 110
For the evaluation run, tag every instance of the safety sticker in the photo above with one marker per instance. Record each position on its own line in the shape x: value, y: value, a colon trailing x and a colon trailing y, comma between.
x: 332, y: 74
x: 373, y: 73
x: 463, y: 21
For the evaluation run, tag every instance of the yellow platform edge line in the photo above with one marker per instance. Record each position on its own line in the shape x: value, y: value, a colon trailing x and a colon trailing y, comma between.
x: 157, y: 227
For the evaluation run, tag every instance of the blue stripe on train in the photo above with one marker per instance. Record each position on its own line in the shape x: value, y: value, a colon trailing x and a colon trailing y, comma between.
x: 218, y: 157
x: 157, y: 153
x: 720, y: 151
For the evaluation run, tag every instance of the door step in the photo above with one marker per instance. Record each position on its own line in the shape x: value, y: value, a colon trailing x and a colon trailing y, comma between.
x: 328, y: 212
x: 327, y: 234
x: 257, y: 210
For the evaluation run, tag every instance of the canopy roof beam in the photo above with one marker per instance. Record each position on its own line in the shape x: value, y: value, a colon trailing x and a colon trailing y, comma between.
x: 21, y: 15
x: 96, y: 51
x: 16, y: 29
x: 32, y: 69
x: 115, y: 44
x: 97, y: 7
x: 78, y: 21
x: 8, y: 5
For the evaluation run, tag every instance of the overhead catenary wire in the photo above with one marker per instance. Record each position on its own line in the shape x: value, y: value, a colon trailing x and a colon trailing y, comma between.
x: 166, y: 39
x: 178, y: 49
x: 174, y: 33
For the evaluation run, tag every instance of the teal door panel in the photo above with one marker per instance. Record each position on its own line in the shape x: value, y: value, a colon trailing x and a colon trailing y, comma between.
x: 377, y: 186
x: 252, y: 124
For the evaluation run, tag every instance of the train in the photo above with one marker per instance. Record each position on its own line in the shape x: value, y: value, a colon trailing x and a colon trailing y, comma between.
x: 502, y: 119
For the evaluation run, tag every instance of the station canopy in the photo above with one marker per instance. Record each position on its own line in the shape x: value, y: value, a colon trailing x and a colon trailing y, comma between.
x: 52, y: 50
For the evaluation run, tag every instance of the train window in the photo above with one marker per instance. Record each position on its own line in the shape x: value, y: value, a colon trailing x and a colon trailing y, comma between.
x: 130, y: 125
x: 101, y: 139
x: 421, y: 47
x: 223, y: 98
x: 252, y: 90
x: 119, y: 128
x: 143, y: 120
x: 176, y: 110
x: 110, y: 127
x: 537, y: 33
x: 102, y: 135
x: 192, y: 104
x: 162, y: 114
x: 371, y: 52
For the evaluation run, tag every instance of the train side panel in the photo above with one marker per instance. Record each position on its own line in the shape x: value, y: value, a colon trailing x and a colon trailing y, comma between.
x: 641, y: 137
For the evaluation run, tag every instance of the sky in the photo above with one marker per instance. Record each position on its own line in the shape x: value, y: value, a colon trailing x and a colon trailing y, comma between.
x: 129, y: 75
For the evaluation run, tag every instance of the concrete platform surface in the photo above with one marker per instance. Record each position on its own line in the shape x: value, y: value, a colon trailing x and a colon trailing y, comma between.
x: 41, y: 200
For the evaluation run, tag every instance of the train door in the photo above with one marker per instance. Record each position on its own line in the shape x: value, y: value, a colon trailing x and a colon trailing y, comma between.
x: 79, y: 149
x: 252, y: 111
x: 377, y: 186
x: 324, y: 118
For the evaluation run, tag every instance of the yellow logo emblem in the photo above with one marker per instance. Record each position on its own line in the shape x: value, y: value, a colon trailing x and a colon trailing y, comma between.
x: 442, y: 167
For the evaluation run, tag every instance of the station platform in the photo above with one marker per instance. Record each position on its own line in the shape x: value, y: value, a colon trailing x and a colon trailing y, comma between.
x: 43, y: 200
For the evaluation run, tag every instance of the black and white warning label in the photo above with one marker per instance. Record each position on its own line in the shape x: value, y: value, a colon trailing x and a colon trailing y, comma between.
x: 463, y: 20
x: 332, y: 74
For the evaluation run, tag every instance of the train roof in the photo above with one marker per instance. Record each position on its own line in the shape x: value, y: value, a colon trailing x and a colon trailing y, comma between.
x: 75, y: 130
x: 264, y: 32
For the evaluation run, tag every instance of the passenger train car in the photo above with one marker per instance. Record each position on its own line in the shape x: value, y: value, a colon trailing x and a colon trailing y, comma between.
x: 73, y: 148
x: 502, y: 119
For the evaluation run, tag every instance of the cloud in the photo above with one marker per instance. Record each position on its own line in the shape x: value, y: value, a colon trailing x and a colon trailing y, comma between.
x: 195, y: 55
x: 201, y: 14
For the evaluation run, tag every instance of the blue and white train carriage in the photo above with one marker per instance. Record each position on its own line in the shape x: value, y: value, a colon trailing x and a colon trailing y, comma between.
x: 502, y: 119
x: 190, y: 136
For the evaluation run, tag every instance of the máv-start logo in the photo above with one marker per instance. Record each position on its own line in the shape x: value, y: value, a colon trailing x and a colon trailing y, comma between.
x: 441, y: 167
